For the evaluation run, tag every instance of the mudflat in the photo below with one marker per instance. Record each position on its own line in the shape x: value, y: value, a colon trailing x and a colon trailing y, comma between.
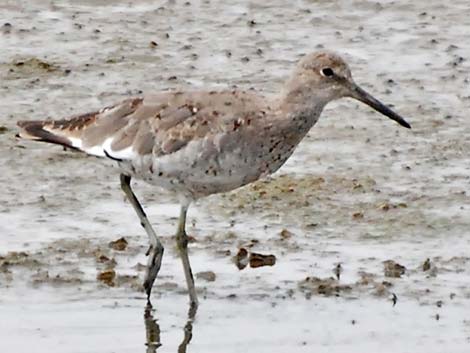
x: 368, y: 223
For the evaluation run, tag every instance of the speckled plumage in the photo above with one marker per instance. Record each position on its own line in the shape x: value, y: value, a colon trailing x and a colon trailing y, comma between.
x: 198, y: 143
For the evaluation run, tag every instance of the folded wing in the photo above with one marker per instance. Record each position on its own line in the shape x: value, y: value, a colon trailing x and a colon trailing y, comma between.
x: 160, y: 124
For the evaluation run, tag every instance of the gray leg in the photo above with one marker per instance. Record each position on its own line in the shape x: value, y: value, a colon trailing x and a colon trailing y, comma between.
x: 182, y: 243
x: 155, y: 252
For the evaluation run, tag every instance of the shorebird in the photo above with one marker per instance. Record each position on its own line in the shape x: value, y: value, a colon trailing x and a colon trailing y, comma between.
x: 198, y: 143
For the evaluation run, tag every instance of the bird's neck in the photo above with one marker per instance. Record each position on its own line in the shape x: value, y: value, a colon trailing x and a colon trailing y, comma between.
x: 299, y: 109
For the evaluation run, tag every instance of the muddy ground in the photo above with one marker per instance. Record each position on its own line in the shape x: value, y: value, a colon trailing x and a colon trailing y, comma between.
x: 384, y: 209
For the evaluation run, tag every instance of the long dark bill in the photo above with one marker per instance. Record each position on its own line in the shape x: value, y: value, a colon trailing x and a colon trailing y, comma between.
x: 361, y: 95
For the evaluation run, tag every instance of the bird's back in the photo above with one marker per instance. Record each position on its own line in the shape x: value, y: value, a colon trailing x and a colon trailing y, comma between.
x: 202, y: 141
x: 161, y: 123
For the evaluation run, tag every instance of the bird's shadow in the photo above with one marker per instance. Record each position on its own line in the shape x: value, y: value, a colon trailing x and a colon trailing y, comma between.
x: 152, y: 330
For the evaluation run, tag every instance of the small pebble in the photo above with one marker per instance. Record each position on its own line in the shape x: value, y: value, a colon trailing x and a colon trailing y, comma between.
x: 394, y: 299
x: 241, y: 259
x: 427, y: 265
x: 259, y: 260
x: 119, y: 245
x: 107, y: 277
x: 393, y: 269
x: 251, y: 23
x: 6, y: 28
x: 208, y: 276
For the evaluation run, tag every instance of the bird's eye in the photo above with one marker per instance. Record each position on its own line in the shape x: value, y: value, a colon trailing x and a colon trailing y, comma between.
x: 328, y: 72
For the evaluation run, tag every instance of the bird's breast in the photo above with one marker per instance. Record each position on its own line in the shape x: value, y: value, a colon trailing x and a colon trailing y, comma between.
x: 215, y: 164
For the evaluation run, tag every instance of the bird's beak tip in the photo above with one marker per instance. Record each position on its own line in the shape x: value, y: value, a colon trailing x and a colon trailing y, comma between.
x: 363, y: 96
x: 405, y: 124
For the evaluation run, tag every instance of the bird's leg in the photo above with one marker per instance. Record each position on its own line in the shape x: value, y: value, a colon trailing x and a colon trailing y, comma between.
x: 155, y: 252
x: 182, y: 243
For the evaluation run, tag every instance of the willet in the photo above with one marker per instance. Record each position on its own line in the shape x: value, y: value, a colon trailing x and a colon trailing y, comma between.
x: 199, y: 143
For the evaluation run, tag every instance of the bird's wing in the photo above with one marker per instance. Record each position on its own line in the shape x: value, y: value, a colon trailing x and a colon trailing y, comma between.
x: 160, y: 124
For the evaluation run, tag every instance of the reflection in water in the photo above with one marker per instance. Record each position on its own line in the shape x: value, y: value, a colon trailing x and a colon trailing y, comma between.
x: 188, y: 329
x: 152, y: 330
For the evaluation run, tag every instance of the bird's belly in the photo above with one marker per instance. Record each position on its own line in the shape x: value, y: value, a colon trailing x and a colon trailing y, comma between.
x: 199, y: 171
x: 204, y: 177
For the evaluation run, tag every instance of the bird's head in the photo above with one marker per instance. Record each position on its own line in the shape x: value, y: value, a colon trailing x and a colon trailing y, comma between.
x: 325, y: 76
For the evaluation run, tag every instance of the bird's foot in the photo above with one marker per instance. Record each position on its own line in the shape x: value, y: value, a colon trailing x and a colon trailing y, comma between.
x: 154, y: 261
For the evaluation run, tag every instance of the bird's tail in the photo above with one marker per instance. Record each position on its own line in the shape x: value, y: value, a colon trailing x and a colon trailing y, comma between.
x: 87, y: 132
x: 64, y: 132
x: 38, y: 130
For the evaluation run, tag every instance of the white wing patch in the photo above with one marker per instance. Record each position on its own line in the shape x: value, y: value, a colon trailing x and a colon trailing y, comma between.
x: 125, y: 154
x: 99, y: 150
x: 76, y: 142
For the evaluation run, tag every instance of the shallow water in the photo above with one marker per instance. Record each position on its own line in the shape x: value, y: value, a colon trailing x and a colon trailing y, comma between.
x: 358, y: 191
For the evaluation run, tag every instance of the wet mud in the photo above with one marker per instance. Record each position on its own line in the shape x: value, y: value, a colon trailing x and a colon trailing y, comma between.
x: 360, y: 241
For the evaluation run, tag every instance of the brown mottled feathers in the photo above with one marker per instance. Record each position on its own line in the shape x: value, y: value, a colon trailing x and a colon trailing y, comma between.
x: 159, y: 124
x: 34, y: 130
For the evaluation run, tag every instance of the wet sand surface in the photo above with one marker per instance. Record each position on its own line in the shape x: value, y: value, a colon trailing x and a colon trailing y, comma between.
x: 384, y: 209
